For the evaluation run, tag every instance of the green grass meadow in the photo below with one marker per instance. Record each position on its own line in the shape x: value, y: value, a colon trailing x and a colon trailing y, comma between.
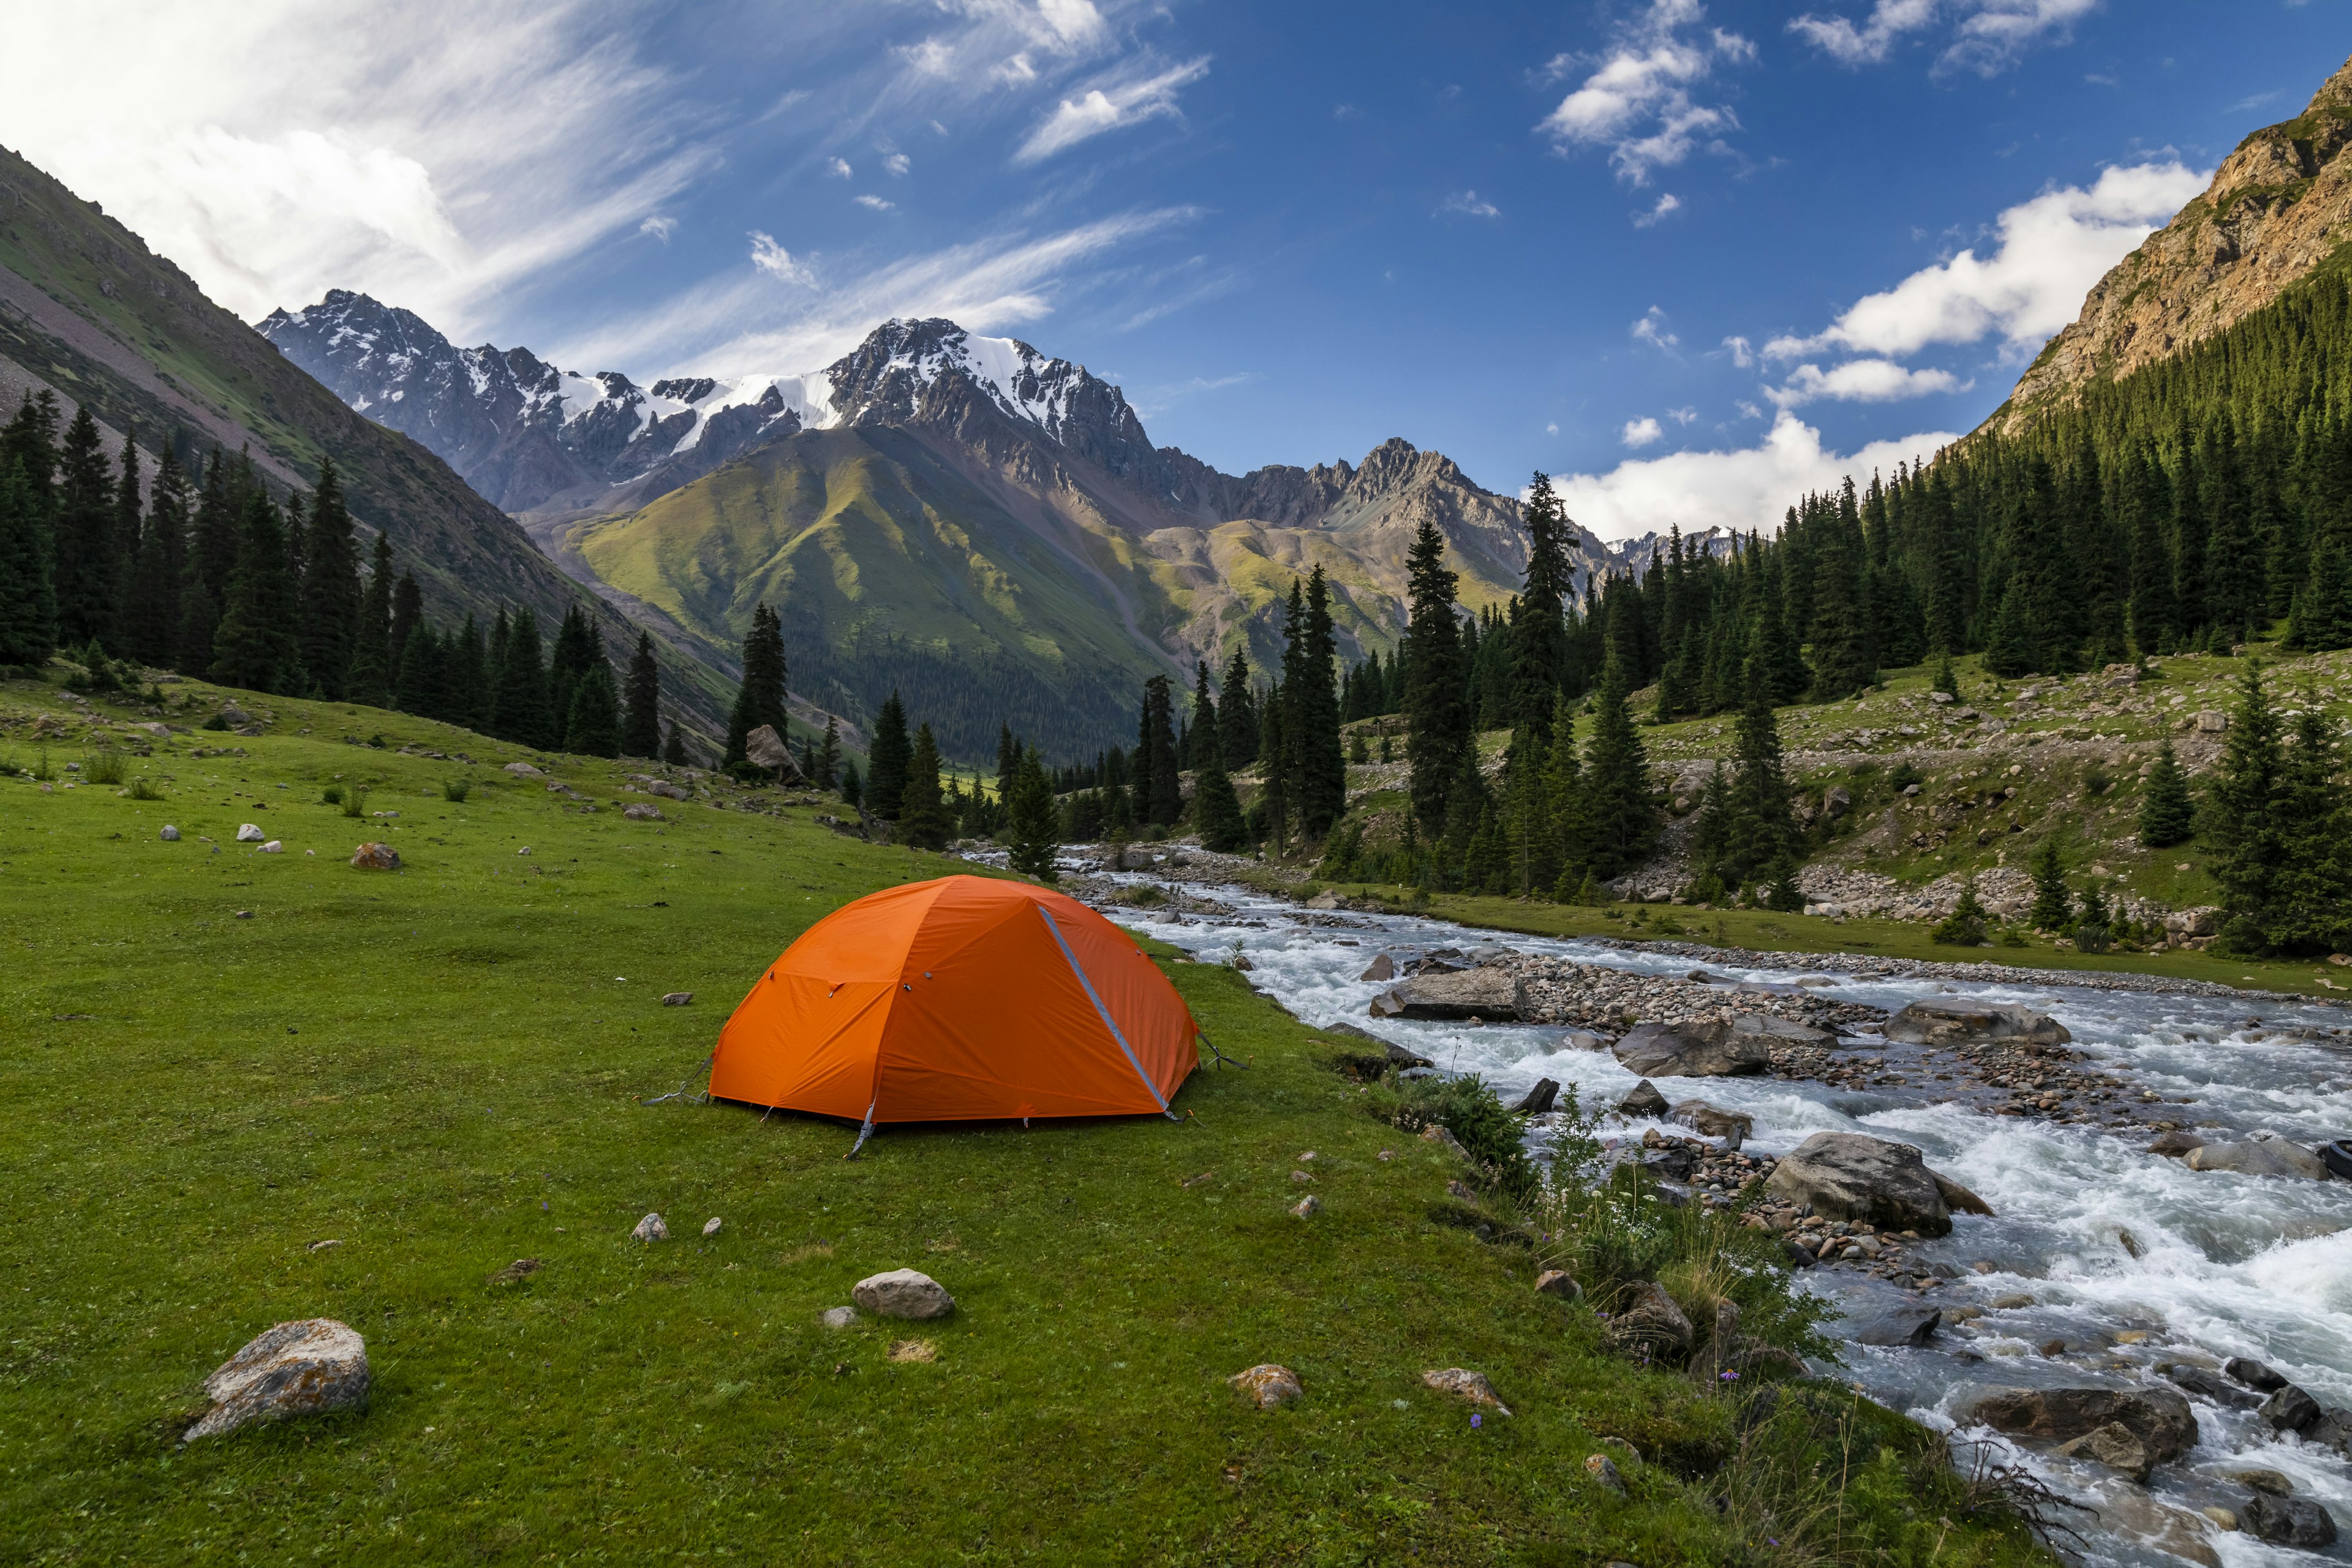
x: 217, y: 1058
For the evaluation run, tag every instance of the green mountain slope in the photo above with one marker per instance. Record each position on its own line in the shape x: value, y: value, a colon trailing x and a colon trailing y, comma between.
x: 87, y: 309
x: 895, y: 570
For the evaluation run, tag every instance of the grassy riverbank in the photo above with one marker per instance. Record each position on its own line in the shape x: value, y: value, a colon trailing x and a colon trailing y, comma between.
x: 220, y: 1059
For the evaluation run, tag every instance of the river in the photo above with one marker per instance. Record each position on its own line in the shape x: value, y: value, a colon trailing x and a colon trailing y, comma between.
x: 2217, y: 1265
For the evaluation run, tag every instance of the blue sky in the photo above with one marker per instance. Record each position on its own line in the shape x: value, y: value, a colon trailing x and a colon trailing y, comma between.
x: 1695, y: 255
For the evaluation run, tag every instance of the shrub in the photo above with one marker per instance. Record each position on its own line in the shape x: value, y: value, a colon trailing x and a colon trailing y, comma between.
x: 216, y: 723
x: 1473, y: 1114
x: 143, y: 788
x: 2091, y: 939
x: 456, y: 790
x: 1904, y: 776
x: 102, y: 767
x: 42, y: 769
x: 354, y: 802
x: 333, y: 794
x: 1965, y: 926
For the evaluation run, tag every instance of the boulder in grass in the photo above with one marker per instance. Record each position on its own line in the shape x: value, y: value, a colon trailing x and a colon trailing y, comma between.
x: 766, y: 749
x: 250, y: 833
x: 376, y: 858
x: 1559, y: 1283
x: 1267, y: 1386
x: 1958, y: 1023
x: 641, y: 812
x: 1471, y: 1387
x: 303, y: 1368
x: 676, y: 998
x: 902, y: 1293
x: 170, y: 835
x: 1648, y: 1323
x: 522, y: 770
x: 653, y: 1227
x: 1853, y: 1176
x: 272, y: 848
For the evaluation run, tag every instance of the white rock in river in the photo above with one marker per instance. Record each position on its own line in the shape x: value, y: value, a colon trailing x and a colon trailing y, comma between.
x: 302, y: 1368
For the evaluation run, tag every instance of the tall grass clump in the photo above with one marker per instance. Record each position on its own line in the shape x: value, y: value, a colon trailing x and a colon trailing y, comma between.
x: 103, y: 766
x: 454, y: 791
x: 354, y: 801
x: 143, y: 788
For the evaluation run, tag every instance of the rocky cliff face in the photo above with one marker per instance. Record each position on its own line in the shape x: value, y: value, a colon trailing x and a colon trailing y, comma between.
x: 2278, y: 206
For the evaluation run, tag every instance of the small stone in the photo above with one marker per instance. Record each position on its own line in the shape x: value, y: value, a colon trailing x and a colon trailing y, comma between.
x: 1650, y: 1322
x: 641, y: 813
x: 170, y: 835
x: 522, y: 770
x: 839, y: 1317
x: 327, y: 1245
x: 249, y: 833
x: 272, y: 848
x: 524, y: 850
x: 2270, y: 1482
x: 1300, y: 1176
x: 375, y: 857
x: 651, y: 1228
x: 1603, y: 1469
x: 1465, y: 1385
x: 1382, y: 967
x: 519, y: 1270
x: 2222, y: 1517
x: 302, y: 1368
x: 710, y: 1226
x: 1267, y: 1386
x: 1306, y: 1206
x: 1561, y: 1283
x: 677, y: 998
x: 2115, y: 1446
x: 902, y: 1293
x: 1539, y: 1099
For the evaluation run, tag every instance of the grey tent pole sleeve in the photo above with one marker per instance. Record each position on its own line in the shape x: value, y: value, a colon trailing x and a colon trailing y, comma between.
x: 1108, y: 1022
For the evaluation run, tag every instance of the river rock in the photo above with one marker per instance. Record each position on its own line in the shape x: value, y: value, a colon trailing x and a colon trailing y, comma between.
x: 2254, y: 1375
x: 2173, y: 1146
x: 1648, y: 1322
x: 2177, y: 1531
x: 1734, y: 1127
x: 2288, y: 1521
x: 1645, y: 1100
x: 1583, y: 1040
x: 1464, y: 1385
x: 250, y: 833
x: 1779, y: 1031
x: 376, y: 858
x: 1537, y: 1101
x: 2291, y: 1409
x: 902, y: 1293
x: 1955, y: 1023
x: 1853, y: 1176
x: 1903, y: 1325
x: 302, y: 1368
x: 2114, y: 1445
x: 1699, y: 1049
x: 2270, y: 1157
x: 1493, y: 995
x: 2197, y: 1380
x: 1382, y: 967
x: 2159, y: 1418
x: 1267, y: 1386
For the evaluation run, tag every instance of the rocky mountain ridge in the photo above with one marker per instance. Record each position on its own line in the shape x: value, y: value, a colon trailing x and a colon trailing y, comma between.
x: 2278, y: 207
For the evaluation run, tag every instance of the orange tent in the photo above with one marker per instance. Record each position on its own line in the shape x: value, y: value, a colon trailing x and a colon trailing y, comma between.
x: 966, y: 998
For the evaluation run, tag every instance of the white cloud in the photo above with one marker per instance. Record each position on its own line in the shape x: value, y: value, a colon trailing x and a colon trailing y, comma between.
x: 896, y: 163
x: 1743, y: 352
x: 1553, y: 428
x: 1682, y: 416
x: 2052, y: 248
x: 839, y: 168
x: 777, y: 262
x: 932, y: 56
x: 1469, y: 204
x: 1987, y: 35
x: 1115, y: 104
x: 1667, y: 204
x: 1861, y: 380
x: 1636, y: 99
x: 661, y: 228
x: 1642, y: 432
x: 874, y: 203
x: 1652, y: 329
x: 1742, y: 490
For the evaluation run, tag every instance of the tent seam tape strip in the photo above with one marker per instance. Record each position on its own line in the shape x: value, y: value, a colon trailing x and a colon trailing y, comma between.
x: 1108, y: 1022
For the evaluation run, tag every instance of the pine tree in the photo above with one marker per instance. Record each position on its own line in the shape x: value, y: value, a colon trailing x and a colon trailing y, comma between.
x: 1437, y: 714
x: 2053, y: 900
x: 2251, y: 839
x: 1165, y: 801
x: 1274, y: 805
x: 2314, y: 912
x: 1564, y: 799
x: 1236, y: 714
x: 1032, y: 825
x: 330, y: 587
x: 1763, y: 830
x: 641, y: 713
x: 760, y: 699
x: 86, y: 553
x: 674, y: 748
x: 524, y: 712
x: 1204, y: 738
x: 824, y: 772
x: 593, y: 728
x: 2321, y: 618
x: 1841, y: 658
x: 28, y: 607
x: 407, y: 614
x: 1965, y: 926
x: 472, y: 698
x: 1623, y: 822
x: 150, y: 621
x: 368, y: 678
x: 220, y: 520
x: 923, y: 818
x: 2166, y: 815
x: 2010, y: 652
x: 852, y: 788
x: 422, y: 685
x: 1539, y: 636
x: 885, y: 776
x: 258, y: 644
x: 577, y: 649
x: 1216, y: 808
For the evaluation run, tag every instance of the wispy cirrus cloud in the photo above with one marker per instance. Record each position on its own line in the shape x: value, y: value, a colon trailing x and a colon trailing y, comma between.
x: 1468, y: 204
x: 1114, y: 103
x: 1986, y: 36
x: 1639, y: 99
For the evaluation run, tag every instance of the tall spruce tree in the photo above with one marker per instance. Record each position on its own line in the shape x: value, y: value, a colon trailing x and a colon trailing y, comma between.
x: 760, y: 699
x: 2314, y: 910
x: 1538, y: 633
x: 151, y: 606
x: 258, y: 644
x: 368, y: 678
x: 85, y: 550
x: 28, y: 617
x: 674, y: 748
x: 330, y: 587
x: 924, y: 821
x: 1437, y: 713
x: 1032, y: 827
x: 525, y: 712
x: 577, y: 649
x: 1622, y: 819
x: 1565, y: 799
x: 885, y: 776
x: 1237, y: 714
x: 1311, y: 727
x: 472, y: 697
x: 593, y: 728
x: 1216, y: 808
x: 826, y: 771
x: 2249, y: 837
x: 407, y: 614
x: 2167, y: 814
x: 641, y: 714
x: 1203, y: 740
x: 2053, y: 900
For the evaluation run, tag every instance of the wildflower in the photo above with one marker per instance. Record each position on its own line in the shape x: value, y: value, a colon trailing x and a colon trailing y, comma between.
x: 1730, y: 1377
x: 1476, y: 1419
